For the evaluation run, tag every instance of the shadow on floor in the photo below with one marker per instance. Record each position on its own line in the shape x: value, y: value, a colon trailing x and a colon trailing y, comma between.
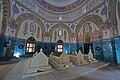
x: 6, y: 62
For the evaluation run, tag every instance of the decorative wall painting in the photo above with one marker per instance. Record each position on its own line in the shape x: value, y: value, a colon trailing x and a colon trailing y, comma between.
x: 65, y: 36
x: 119, y: 9
x: 33, y: 27
x: 25, y: 28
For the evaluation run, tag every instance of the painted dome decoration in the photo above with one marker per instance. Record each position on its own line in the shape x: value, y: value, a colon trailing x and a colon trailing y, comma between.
x: 15, y: 9
x: 67, y: 12
x: 104, y: 10
x: 12, y: 23
x: 60, y: 2
x: 70, y: 6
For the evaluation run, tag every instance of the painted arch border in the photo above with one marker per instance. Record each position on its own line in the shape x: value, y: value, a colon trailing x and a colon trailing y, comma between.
x: 90, y: 18
x: 28, y: 16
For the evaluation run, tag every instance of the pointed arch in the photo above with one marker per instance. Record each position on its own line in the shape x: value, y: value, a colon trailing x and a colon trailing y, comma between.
x: 29, y: 16
x: 90, y: 18
x: 60, y: 25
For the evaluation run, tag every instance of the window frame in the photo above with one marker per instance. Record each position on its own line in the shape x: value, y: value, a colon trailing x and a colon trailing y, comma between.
x: 59, y: 48
x: 30, y: 47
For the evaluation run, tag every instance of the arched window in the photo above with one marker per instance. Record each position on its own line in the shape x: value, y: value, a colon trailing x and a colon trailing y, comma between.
x: 60, y: 32
x: 59, y: 46
x: 30, y: 46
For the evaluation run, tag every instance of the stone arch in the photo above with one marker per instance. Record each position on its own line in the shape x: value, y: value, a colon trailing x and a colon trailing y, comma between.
x: 63, y: 26
x: 90, y: 18
x: 29, y: 16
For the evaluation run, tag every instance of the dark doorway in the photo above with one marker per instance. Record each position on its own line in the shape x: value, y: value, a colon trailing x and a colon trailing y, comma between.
x: 87, y: 46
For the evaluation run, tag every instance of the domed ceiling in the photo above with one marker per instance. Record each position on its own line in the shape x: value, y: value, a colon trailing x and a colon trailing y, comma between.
x: 60, y: 2
x: 60, y: 6
x: 60, y: 10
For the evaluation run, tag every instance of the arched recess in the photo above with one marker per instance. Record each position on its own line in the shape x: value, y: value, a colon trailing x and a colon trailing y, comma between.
x: 29, y: 16
x: 62, y: 26
x: 90, y: 18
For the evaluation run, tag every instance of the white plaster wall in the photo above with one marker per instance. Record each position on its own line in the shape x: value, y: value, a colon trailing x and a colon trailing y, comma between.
x: 118, y: 19
x: 1, y: 15
x: 29, y: 34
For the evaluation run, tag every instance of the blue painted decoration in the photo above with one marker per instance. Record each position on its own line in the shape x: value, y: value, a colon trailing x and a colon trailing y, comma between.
x: 15, y: 9
x: 67, y: 48
x: 53, y: 47
x: 104, y: 10
x: 9, y: 43
x: 38, y: 46
x: 54, y: 8
x: 116, y: 49
x: 47, y: 26
x: 73, y: 47
x: 19, y: 48
x: 72, y: 26
x: 46, y: 48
